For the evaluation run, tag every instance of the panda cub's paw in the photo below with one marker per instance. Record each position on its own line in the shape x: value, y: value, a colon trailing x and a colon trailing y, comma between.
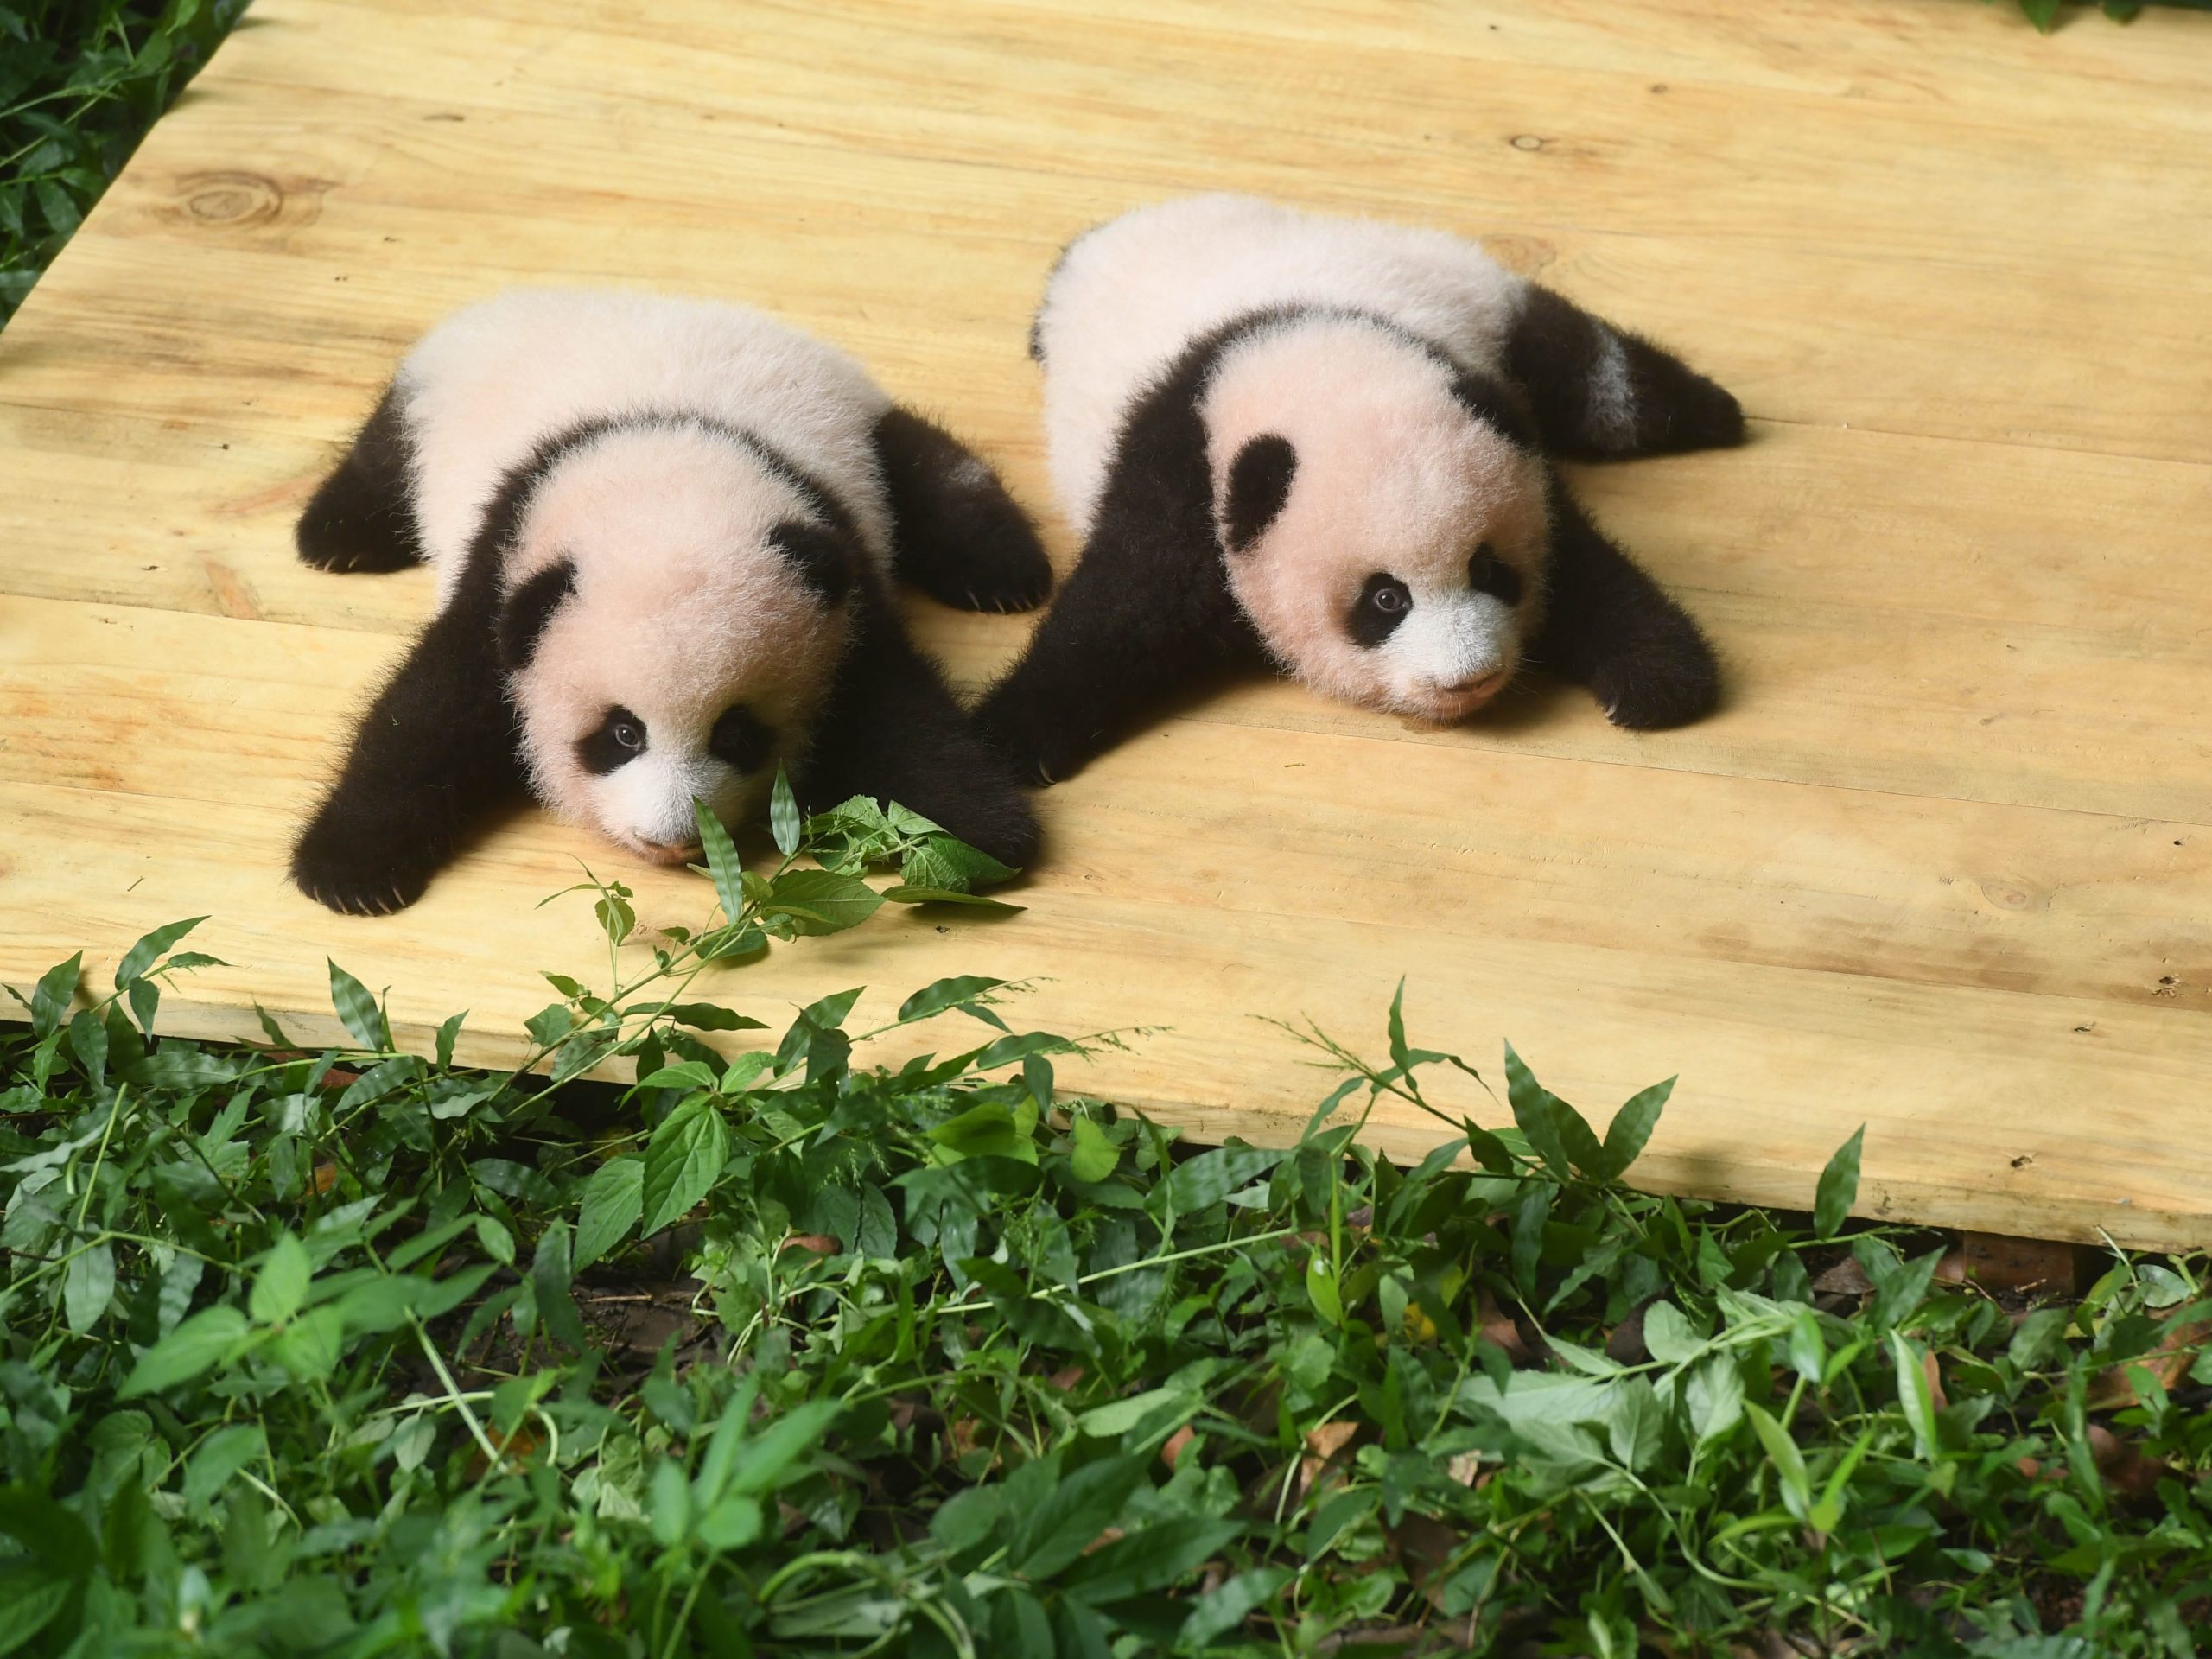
x: 1668, y: 677
x: 359, y: 867
x: 1041, y: 753
x: 1003, y: 567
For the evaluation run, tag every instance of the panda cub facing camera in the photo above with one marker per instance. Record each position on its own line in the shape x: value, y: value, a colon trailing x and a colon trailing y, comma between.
x: 1324, y: 445
x: 665, y: 533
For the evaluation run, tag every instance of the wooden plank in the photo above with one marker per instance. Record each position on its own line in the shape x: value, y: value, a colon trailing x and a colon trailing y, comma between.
x: 1940, y: 865
x: 1963, y: 620
x: 1814, y: 938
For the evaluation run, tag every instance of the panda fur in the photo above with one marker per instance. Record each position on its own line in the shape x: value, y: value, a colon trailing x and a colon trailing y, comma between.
x: 665, y: 533
x: 1326, y: 444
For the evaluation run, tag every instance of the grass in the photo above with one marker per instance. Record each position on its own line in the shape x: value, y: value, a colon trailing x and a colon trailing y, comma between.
x: 349, y: 1351
x: 80, y: 82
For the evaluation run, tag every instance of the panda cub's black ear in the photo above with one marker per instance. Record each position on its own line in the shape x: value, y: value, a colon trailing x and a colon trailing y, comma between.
x: 1259, y: 484
x: 1497, y: 405
x: 822, y: 559
x: 529, y: 608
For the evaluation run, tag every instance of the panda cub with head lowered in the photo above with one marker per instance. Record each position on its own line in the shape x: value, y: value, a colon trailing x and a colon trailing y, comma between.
x: 1325, y: 443
x: 664, y: 532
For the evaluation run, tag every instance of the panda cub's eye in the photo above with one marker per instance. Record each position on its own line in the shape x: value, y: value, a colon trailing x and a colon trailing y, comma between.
x: 740, y: 741
x: 1488, y: 574
x: 1382, y: 604
x: 619, y: 736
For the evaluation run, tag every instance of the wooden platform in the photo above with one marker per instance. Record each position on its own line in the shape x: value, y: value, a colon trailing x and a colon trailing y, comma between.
x: 1944, y: 865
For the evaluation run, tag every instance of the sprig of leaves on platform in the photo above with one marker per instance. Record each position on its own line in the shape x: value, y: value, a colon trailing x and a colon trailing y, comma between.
x: 80, y: 82
x: 2045, y: 13
x: 349, y: 1352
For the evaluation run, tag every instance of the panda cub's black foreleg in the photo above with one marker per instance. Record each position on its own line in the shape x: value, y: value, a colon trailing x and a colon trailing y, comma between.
x: 1600, y: 393
x: 892, y: 732
x: 1609, y: 626
x: 362, y: 517
x: 435, y: 751
x: 956, y: 534
x: 1145, y: 618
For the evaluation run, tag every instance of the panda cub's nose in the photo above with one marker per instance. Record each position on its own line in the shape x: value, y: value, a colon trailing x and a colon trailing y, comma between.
x: 1483, y: 681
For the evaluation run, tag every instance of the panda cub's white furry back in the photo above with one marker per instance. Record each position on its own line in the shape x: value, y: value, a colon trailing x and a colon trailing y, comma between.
x: 1323, y: 443
x: 1131, y: 297
x: 664, y: 532
x: 489, y: 383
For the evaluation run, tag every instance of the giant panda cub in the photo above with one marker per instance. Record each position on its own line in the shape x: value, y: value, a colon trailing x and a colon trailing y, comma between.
x: 664, y: 532
x: 1325, y: 443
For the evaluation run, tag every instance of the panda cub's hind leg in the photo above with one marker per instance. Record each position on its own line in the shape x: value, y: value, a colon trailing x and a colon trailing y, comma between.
x: 362, y: 517
x: 958, y: 535
x: 1600, y: 393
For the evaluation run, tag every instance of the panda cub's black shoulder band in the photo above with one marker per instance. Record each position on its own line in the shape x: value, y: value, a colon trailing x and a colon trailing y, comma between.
x: 529, y: 608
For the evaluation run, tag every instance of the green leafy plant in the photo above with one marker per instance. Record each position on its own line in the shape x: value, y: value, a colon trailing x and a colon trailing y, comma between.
x: 2045, y: 13
x: 352, y: 1352
x: 80, y: 82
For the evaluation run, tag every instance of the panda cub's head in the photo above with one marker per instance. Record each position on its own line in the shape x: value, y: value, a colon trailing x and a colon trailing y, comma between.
x: 1388, y: 538
x: 673, y: 608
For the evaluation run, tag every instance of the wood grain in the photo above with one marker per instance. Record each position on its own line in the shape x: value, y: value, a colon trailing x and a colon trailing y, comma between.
x: 1943, y: 864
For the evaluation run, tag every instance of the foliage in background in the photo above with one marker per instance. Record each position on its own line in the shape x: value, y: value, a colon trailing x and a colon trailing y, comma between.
x: 2045, y: 13
x: 351, y: 1353
x: 80, y: 82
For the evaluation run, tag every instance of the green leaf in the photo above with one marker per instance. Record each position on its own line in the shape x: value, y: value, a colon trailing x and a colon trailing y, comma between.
x: 51, y: 997
x: 310, y: 1346
x: 1206, y: 1179
x: 707, y: 1016
x: 764, y: 1459
x: 1148, y: 1561
x: 448, y: 1033
x: 961, y: 992
x: 1321, y: 1290
x: 1534, y: 1109
x: 87, y: 1283
x: 1631, y: 1127
x: 1914, y: 1395
x: 722, y: 861
x: 1638, y: 1424
x: 783, y: 816
x: 1839, y: 1187
x: 735, y: 1522
x: 613, y: 1203
x: 1073, y: 1513
x: 618, y: 918
x: 1714, y: 1395
x: 357, y: 1010
x: 904, y: 893
x: 1669, y: 1337
x: 142, y: 956
x: 1092, y: 1156
x: 1227, y: 1606
x: 1112, y: 1420
x: 687, y: 1152
x: 280, y: 1287
x: 31, y: 1597
x: 499, y: 1243
x: 220, y: 1456
x: 186, y: 1352
x: 550, y: 1025
x: 821, y: 901
x: 1789, y: 1462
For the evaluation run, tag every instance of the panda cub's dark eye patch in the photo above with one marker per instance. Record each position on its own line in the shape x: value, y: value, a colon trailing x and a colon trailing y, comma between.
x: 740, y: 741
x: 618, y: 739
x: 1382, y: 604
x: 1488, y: 574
